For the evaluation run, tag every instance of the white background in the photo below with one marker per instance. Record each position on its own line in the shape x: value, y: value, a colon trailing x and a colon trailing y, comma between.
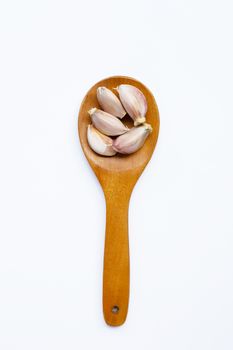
x: 52, y: 207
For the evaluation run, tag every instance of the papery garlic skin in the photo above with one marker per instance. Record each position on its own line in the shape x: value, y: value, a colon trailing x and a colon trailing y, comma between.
x: 109, y: 102
x: 133, y: 140
x: 134, y: 102
x: 107, y: 123
x: 99, y: 143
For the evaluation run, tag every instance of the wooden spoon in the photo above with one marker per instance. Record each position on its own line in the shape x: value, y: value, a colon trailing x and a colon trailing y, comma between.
x: 117, y: 176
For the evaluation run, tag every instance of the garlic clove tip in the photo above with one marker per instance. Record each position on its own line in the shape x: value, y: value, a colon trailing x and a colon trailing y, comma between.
x: 92, y: 111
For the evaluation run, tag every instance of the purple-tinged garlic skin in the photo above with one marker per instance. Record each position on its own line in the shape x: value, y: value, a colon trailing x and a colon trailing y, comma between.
x: 133, y: 140
x: 99, y: 143
x: 134, y: 102
x: 107, y: 123
x: 109, y: 102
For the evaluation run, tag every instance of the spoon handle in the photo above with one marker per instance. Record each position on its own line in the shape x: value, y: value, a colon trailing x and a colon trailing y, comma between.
x: 116, y: 259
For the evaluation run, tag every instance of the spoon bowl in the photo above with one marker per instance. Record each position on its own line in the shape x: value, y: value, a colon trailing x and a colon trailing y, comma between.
x: 117, y: 176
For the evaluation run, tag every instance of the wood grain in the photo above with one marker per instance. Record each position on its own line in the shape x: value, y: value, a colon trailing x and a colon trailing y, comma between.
x: 117, y: 176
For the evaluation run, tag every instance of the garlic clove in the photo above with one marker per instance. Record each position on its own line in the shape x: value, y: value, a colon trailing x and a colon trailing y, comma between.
x: 99, y: 143
x: 134, y: 102
x: 133, y: 140
x: 107, y: 123
x: 109, y: 102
